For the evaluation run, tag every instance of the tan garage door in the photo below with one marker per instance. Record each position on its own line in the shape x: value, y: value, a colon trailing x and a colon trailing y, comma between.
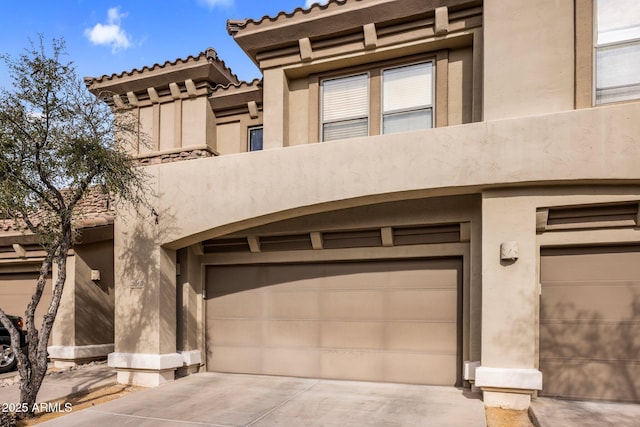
x: 590, y: 323
x: 393, y: 321
x: 16, y: 290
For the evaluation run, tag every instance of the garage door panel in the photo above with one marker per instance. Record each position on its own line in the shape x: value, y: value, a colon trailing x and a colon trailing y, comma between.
x: 352, y: 365
x: 291, y: 304
x: 439, y: 277
x: 590, y: 323
x: 589, y: 300
x: 13, y: 304
x: 298, y: 362
x: 234, y: 279
x: 423, y: 304
x: 421, y: 337
x: 235, y: 332
x: 354, y: 335
x: 285, y: 333
x: 351, y: 320
x: 590, y: 264
x: 353, y: 305
x: 594, y: 380
x: 16, y: 290
x: 420, y: 368
x: 238, y: 305
x: 610, y: 341
x: 235, y: 359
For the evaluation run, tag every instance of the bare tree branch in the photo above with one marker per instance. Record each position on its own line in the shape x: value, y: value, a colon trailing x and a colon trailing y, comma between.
x: 57, y: 142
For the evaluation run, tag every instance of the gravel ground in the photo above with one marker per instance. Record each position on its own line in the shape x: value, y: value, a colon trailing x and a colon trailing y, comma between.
x: 14, y: 378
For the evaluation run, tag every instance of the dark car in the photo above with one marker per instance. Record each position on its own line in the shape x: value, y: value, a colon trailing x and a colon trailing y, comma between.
x: 8, y: 359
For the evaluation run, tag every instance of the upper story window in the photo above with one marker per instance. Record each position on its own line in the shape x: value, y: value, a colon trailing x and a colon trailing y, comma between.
x: 404, y: 101
x: 345, y: 107
x: 407, y: 98
x: 255, y: 138
x: 617, y: 50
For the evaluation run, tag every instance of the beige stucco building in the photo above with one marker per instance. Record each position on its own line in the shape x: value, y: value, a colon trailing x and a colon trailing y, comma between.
x: 416, y: 191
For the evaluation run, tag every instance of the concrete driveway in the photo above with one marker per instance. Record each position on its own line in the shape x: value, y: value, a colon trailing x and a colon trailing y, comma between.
x: 223, y: 400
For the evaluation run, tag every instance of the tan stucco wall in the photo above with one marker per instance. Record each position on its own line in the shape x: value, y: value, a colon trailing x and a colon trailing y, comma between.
x: 454, y: 91
x: 189, y: 300
x: 94, y: 301
x: 528, y: 57
x: 145, y: 303
x: 86, y: 312
x: 585, y: 145
x: 229, y: 138
x: 206, y: 198
x: 173, y: 125
x: 63, y: 332
x: 460, y: 86
x: 275, y: 110
x: 232, y: 132
x: 511, y: 289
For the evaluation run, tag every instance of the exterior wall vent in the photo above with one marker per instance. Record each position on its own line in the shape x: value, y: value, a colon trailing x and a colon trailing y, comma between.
x: 286, y: 243
x: 426, y: 235
x: 352, y: 239
x: 346, y: 239
x: 593, y: 216
x: 226, y: 245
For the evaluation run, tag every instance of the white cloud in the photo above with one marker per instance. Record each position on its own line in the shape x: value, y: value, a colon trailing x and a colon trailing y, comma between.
x: 308, y: 3
x: 213, y: 3
x: 111, y: 33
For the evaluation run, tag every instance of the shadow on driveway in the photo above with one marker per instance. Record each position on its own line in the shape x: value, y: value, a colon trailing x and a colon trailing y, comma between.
x: 549, y: 412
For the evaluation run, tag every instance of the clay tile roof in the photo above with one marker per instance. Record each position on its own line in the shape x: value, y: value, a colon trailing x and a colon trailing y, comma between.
x: 233, y: 25
x: 240, y: 84
x: 209, y: 54
x: 95, y: 209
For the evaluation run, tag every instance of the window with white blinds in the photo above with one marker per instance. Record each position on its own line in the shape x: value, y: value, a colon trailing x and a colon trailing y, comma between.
x: 345, y: 107
x: 617, y: 50
x: 407, y: 98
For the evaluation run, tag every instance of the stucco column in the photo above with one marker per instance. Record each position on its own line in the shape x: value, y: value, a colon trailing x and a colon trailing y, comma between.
x: 275, y: 113
x: 507, y: 374
x: 145, y: 308
x: 63, y: 333
x: 83, y: 329
x: 189, y: 309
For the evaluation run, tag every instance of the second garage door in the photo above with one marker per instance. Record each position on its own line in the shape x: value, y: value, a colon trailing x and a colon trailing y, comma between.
x: 16, y: 290
x: 395, y: 321
x: 590, y: 323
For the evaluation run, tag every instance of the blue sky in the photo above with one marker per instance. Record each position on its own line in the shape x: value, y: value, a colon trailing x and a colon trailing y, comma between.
x: 110, y: 36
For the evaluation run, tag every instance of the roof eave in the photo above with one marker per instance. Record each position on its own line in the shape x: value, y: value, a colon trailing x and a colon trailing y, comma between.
x: 205, y: 67
x: 335, y: 17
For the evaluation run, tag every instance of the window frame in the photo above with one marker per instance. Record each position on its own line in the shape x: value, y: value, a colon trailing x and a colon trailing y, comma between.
x: 607, y: 46
x: 440, y: 60
x: 585, y: 58
x: 321, y: 97
x: 432, y: 106
x: 249, y: 129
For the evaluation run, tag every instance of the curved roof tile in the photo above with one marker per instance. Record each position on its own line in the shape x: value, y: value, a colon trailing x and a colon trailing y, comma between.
x: 254, y: 82
x: 210, y: 54
x: 233, y: 26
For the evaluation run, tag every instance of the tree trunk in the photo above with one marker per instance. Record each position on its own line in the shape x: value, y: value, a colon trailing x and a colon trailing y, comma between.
x: 32, y: 375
